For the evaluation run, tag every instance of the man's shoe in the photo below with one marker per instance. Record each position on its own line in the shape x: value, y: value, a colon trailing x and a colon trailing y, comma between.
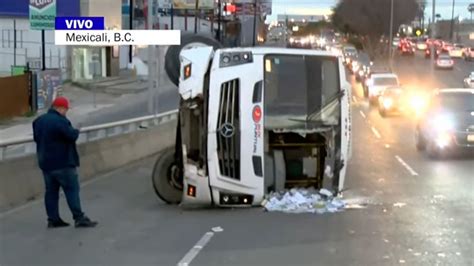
x: 85, y: 222
x: 57, y: 224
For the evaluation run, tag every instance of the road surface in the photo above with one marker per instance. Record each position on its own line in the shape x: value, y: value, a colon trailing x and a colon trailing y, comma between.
x: 419, y: 212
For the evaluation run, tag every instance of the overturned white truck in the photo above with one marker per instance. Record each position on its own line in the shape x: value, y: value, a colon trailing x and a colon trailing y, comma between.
x: 252, y: 121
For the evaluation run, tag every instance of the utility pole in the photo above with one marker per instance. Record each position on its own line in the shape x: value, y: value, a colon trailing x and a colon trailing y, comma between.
x: 451, y: 35
x: 219, y: 19
x: 433, y: 35
x: 196, y: 10
x: 254, y: 22
x: 151, y: 62
x: 390, y: 45
x: 130, y: 21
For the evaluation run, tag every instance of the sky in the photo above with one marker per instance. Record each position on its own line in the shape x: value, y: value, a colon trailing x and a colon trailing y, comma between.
x: 323, y: 7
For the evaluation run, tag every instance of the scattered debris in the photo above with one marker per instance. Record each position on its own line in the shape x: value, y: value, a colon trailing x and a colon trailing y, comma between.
x: 458, y: 253
x: 401, y: 261
x: 399, y: 204
x: 417, y: 254
x: 386, y: 240
x: 441, y: 255
x: 217, y: 229
x: 304, y: 201
x: 439, y: 197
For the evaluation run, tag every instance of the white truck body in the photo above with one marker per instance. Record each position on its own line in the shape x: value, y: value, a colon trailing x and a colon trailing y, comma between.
x: 240, y: 165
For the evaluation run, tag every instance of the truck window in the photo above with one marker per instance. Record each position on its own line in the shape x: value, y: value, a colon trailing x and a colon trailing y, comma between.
x: 297, y: 85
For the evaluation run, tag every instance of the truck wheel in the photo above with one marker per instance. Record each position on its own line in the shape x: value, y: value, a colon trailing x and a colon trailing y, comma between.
x: 167, y: 178
x: 172, y: 62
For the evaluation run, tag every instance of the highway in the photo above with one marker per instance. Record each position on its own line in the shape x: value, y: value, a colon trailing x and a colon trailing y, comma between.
x: 418, y: 211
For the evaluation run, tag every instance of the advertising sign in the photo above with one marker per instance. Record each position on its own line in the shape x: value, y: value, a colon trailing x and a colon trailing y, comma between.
x: 48, y: 83
x: 191, y: 4
x: 42, y: 14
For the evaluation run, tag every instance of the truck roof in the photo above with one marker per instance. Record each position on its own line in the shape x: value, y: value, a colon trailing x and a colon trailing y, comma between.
x: 272, y: 50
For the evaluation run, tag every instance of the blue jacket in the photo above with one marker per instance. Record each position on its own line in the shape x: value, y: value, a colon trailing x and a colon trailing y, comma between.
x: 55, y: 141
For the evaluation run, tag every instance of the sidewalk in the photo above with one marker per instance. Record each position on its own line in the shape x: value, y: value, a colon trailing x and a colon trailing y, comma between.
x: 82, y: 104
x: 115, y: 98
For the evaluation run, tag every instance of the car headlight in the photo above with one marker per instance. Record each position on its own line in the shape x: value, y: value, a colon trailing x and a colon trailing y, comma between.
x: 387, y: 102
x: 443, y: 123
x: 443, y: 139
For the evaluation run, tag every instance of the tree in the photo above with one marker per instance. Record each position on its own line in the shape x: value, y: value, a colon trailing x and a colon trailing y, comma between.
x: 470, y: 8
x: 371, y: 18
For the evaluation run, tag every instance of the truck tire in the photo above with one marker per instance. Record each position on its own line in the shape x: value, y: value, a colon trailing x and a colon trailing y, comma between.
x: 188, y: 40
x: 167, y: 187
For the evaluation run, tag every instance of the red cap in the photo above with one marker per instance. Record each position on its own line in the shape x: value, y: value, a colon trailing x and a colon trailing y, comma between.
x: 61, y: 102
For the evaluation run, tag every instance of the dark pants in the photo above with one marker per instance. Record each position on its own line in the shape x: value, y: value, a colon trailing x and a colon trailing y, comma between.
x: 67, y: 179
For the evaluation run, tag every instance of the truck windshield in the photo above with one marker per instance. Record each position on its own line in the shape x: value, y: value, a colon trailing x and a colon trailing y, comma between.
x: 297, y: 86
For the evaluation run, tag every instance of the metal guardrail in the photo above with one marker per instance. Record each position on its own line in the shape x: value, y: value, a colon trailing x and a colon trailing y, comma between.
x: 19, y: 147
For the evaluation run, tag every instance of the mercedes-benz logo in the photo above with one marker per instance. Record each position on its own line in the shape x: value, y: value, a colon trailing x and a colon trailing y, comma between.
x: 227, y: 130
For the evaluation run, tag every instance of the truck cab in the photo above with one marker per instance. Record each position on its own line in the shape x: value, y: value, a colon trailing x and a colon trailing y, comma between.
x: 253, y: 121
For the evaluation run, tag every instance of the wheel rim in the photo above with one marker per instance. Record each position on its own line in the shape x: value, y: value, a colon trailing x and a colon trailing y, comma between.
x: 174, y: 177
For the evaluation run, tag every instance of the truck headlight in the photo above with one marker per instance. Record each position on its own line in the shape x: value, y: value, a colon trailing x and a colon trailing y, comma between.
x: 235, y: 58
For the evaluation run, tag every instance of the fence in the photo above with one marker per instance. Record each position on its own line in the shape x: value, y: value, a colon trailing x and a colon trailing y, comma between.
x: 14, y: 95
x: 15, y: 148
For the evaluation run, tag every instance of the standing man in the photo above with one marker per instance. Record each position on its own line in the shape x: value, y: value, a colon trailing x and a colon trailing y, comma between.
x: 58, y: 159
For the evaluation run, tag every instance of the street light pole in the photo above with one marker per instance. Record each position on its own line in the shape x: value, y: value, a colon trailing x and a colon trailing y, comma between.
x: 151, y: 62
x: 390, y: 52
x: 433, y: 34
x: 451, y: 35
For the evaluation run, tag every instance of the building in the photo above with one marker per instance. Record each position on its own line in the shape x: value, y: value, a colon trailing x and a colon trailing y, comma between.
x: 20, y: 45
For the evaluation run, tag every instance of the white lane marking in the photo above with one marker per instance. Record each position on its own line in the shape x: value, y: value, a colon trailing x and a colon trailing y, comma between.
x: 402, y: 162
x: 376, y: 132
x: 458, y: 68
x: 193, y: 252
x: 362, y: 114
x: 354, y: 99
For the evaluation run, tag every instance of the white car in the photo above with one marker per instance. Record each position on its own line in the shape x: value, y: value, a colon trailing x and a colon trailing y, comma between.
x: 469, y: 81
x: 444, y: 62
x: 378, y: 83
x: 457, y: 51
x: 421, y: 46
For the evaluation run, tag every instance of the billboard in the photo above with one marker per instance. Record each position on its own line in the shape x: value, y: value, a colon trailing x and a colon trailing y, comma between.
x: 191, y: 4
x: 20, y: 8
x: 42, y: 14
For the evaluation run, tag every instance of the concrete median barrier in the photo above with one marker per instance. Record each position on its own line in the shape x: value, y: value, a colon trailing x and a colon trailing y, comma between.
x: 21, y: 180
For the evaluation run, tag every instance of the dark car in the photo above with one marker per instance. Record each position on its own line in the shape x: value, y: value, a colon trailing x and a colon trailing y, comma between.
x: 447, y: 124
x: 364, y: 67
